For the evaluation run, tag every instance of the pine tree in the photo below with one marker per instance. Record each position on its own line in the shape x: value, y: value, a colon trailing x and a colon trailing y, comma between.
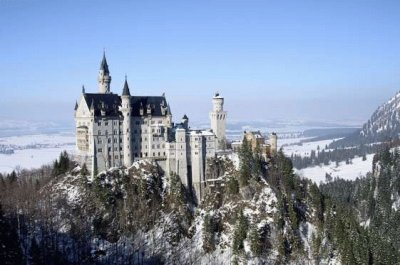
x: 255, y: 241
x: 10, y: 251
x: 36, y: 257
x: 208, y: 234
x: 245, y: 157
x: 233, y: 186
x: 240, y: 233
x: 12, y: 178
x: 84, y: 171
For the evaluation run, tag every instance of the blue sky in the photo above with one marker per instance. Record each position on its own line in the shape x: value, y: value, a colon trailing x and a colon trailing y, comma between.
x: 307, y: 60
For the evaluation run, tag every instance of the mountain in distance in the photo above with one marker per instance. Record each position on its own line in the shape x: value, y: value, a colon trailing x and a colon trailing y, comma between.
x: 383, y: 126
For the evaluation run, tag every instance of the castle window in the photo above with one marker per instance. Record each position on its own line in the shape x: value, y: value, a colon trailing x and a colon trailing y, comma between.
x: 164, y: 153
x: 135, y: 131
x: 196, y: 153
x: 145, y: 154
x: 116, y: 157
x: 106, y: 123
x: 137, y: 122
x: 99, y: 123
x: 141, y: 154
x: 99, y: 150
x: 159, y: 154
x: 99, y: 132
x: 109, y: 140
x: 154, y: 154
x: 158, y: 146
x: 115, y: 148
x: 115, y: 131
x: 99, y: 141
x: 136, y: 154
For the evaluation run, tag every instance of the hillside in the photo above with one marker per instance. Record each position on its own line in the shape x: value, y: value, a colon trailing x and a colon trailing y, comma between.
x: 258, y: 213
x: 136, y: 215
x: 376, y: 202
x: 383, y: 125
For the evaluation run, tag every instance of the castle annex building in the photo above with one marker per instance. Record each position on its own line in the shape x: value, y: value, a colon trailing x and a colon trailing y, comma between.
x: 115, y: 130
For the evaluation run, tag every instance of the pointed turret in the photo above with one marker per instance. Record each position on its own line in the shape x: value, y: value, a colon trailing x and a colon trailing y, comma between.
x: 104, y: 65
x: 125, y: 91
x: 185, y: 121
x: 127, y: 124
x: 104, y: 76
x: 76, y: 105
x: 83, y: 89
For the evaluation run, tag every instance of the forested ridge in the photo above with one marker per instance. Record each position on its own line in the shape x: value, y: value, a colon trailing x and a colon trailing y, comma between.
x: 258, y: 213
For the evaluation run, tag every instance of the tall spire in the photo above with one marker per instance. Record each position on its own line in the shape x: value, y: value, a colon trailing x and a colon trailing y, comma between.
x: 125, y: 91
x: 104, y: 65
x: 104, y: 76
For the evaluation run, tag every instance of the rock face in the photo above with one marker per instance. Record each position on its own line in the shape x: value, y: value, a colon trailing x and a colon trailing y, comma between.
x: 384, y: 122
x: 383, y: 126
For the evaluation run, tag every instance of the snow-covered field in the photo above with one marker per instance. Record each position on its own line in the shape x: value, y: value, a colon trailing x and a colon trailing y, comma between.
x: 357, y: 169
x: 304, y: 149
x: 33, y: 151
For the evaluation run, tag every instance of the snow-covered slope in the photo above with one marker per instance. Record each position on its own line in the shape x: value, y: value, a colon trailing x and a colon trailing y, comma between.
x: 383, y: 125
x: 138, y: 214
x: 385, y: 121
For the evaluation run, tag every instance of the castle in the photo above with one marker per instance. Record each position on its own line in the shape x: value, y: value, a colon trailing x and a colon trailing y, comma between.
x: 115, y: 130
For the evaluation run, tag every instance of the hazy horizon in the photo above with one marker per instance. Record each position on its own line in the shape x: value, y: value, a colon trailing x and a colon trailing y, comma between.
x: 309, y: 61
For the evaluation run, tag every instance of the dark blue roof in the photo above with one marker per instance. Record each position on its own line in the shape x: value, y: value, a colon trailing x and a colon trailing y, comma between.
x: 111, y: 103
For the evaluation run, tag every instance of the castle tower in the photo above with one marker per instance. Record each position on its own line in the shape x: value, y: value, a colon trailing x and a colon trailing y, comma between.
x: 104, y: 76
x: 181, y: 156
x: 185, y: 122
x: 218, y: 120
x: 273, y: 141
x: 126, y: 125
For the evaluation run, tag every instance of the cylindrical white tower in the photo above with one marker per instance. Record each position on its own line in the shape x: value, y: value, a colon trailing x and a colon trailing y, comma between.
x: 218, y: 119
x: 104, y: 77
x: 126, y: 125
x: 274, y: 143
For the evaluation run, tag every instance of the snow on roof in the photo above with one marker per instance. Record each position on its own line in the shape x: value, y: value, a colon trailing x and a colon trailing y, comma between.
x: 201, y: 132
